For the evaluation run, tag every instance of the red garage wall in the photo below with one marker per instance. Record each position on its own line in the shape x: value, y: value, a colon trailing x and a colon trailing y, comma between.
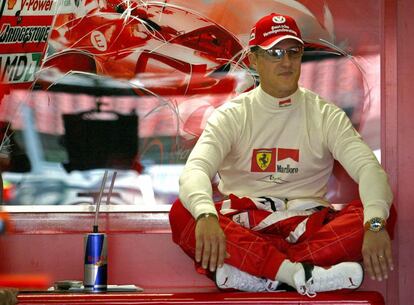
x: 397, y: 137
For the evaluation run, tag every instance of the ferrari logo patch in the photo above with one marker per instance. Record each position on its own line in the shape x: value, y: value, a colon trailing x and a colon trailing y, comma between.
x: 264, y: 160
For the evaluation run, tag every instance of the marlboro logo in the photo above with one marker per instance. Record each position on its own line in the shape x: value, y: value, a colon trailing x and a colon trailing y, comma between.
x: 284, y: 154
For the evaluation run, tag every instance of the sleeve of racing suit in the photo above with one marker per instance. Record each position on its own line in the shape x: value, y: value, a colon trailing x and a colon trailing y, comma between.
x: 203, y: 163
x: 357, y: 158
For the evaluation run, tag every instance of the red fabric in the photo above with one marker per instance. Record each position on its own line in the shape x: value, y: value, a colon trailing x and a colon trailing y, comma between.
x: 330, y: 237
x: 248, y: 250
x: 339, y: 239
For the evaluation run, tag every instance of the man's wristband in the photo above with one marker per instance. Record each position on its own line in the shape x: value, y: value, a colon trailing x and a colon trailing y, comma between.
x: 206, y: 215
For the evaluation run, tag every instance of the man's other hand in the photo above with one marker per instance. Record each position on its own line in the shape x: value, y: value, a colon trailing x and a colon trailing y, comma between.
x: 377, y: 254
x: 210, y: 243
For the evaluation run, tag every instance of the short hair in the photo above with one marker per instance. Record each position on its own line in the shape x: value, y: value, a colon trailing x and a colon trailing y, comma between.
x: 254, y: 49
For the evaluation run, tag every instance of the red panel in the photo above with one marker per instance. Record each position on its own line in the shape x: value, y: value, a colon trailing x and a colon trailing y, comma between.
x: 147, y: 260
x: 405, y: 148
x: 140, y: 250
x: 397, y: 140
x: 389, y: 130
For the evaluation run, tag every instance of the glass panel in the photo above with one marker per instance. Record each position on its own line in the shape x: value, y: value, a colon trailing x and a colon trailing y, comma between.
x: 129, y: 88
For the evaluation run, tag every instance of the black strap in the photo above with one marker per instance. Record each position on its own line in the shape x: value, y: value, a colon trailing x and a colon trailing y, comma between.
x: 308, y: 270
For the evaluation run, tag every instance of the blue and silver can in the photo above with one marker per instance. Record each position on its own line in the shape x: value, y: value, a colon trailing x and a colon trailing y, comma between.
x: 96, y: 262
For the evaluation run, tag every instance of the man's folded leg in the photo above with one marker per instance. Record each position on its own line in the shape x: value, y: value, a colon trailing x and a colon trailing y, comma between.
x: 249, y: 251
x: 258, y: 262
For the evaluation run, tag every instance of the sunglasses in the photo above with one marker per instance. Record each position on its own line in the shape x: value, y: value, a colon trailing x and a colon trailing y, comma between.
x: 278, y: 54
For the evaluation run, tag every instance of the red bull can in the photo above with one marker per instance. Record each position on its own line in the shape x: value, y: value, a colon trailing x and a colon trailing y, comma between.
x: 96, y: 262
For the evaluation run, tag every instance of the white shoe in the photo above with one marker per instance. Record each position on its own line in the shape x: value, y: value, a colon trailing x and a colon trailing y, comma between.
x: 229, y: 277
x: 312, y: 279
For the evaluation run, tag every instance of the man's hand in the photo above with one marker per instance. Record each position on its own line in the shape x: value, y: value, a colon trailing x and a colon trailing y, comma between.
x: 377, y: 254
x: 210, y: 243
x: 8, y: 296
